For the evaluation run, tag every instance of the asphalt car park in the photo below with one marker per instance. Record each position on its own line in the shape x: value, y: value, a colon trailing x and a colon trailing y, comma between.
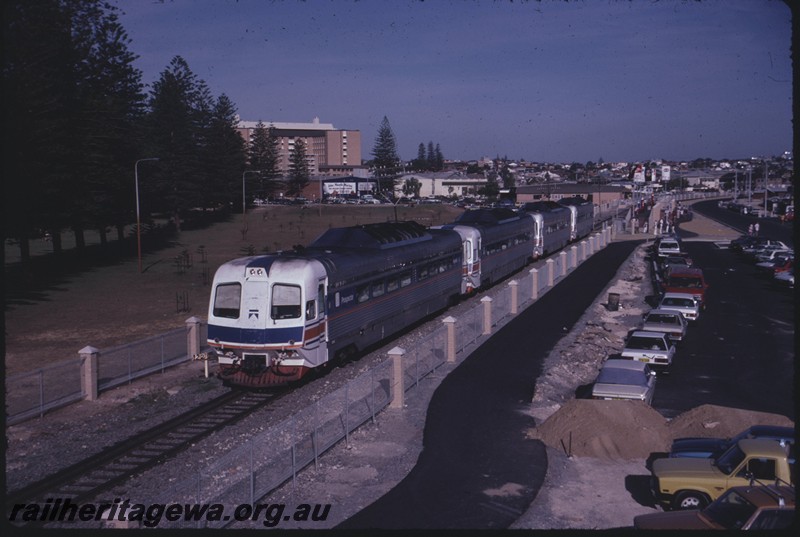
x: 740, y: 353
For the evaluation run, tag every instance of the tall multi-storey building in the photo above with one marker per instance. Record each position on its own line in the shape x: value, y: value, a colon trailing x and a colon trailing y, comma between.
x: 330, y: 151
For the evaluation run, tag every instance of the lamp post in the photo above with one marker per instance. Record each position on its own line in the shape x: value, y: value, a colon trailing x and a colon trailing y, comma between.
x: 138, y: 222
x: 244, y: 200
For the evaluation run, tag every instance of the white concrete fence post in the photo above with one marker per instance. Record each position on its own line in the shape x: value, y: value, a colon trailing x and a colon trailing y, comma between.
x: 583, y: 251
x: 487, y: 314
x: 193, y: 342
x: 564, y: 263
x: 550, y: 268
x: 514, y: 285
x: 574, y: 252
x: 398, y: 391
x: 450, y: 323
x: 534, y: 283
x: 89, y: 364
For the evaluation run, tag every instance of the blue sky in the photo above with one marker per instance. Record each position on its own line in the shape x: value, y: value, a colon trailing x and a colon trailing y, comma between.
x: 547, y: 81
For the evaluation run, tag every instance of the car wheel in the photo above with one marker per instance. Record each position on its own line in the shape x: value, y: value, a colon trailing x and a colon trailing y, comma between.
x: 689, y: 499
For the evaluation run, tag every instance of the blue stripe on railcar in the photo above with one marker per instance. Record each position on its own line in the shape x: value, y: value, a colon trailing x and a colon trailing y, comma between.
x: 254, y: 336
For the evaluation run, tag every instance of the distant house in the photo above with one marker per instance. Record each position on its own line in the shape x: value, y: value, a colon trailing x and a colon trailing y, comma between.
x: 604, y: 197
x: 448, y: 184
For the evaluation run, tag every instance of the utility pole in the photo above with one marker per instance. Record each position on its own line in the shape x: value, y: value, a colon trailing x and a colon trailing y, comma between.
x: 766, y: 182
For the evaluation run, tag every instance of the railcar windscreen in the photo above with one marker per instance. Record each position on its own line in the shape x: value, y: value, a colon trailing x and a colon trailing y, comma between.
x: 286, y: 302
x: 227, y: 300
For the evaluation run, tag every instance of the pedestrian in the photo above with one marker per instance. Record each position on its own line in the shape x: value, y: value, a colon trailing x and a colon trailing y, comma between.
x: 750, y: 230
x: 644, y: 229
x: 755, y: 229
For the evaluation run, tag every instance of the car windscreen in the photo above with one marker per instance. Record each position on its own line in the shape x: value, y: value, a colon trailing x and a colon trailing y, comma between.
x: 678, y: 302
x: 646, y: 343
x: 661, y: 318
x: 684, y: 281
x: 731, y: 511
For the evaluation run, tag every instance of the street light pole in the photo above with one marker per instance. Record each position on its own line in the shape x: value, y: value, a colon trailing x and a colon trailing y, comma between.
x: 138, y: 220
x: 244, y: 200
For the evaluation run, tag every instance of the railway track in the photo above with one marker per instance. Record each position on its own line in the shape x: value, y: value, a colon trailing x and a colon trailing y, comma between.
x: 86, y: 479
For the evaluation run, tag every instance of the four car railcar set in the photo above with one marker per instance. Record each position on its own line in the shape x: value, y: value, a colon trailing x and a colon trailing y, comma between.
x: 273, y: 318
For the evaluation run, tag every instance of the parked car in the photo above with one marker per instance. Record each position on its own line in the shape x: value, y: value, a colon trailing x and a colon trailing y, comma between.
x: 767, y: 245
x: 753, y: 507
x: 770, y: 254
x: 682, y: 302
x: 668, y: 321
x: 746, y: 241
x: 654, y: 348
x: 779, y: 263
x: 681, y: 261
x: 668, y: 247
x: 704, y: 448
x: 692, y: 483
x: 689, y: 280
x: 625, y: 379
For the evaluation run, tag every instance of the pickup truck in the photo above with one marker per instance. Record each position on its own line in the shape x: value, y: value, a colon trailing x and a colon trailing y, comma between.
x: 692, y: 483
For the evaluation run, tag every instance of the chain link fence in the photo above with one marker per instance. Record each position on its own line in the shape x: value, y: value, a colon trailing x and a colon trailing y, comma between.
x: 31, y: 394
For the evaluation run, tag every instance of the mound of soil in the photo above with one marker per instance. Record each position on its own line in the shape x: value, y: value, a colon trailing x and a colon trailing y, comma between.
x: 634, y: 430
x: 605, y: 429
x: 721, y: 422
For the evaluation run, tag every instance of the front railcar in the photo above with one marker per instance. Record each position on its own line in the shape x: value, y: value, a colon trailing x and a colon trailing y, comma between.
x: 266, y: 320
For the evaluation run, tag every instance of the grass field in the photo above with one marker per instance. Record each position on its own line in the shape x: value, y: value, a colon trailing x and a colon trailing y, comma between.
x: 58, y: 308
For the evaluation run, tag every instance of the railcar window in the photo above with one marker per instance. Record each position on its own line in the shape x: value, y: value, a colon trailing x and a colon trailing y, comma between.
x: 286, y: 302
x: 377, y: 289
x: 311, y: 310
x: 405, y: 279
x: 227, y: 300
x: 423, y: 273
x: 392, y: 285
x: 362, y: 294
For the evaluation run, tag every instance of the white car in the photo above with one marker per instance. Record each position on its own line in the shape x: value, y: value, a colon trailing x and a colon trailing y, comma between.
x: 668, y: 247
x: 655, y: 348
x: 682, y: 302
x: 668, y: 321
x: 625, y: 379
x: 771, y: 254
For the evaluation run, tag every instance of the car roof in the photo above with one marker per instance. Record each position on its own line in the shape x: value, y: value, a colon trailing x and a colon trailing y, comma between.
x: 763, y: 446
x: 689, y: 296
x: 686, y: 271
x: 620, y: 363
